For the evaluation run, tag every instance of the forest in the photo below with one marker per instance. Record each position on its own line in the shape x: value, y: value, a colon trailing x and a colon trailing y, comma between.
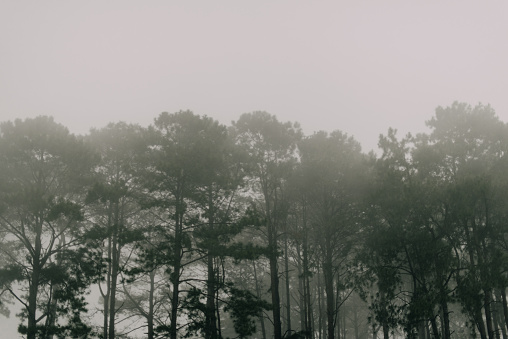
x: 189, y: 228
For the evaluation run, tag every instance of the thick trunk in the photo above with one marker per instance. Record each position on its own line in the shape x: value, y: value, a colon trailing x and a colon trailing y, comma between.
x: 435, y: 331
x: 479, y: 323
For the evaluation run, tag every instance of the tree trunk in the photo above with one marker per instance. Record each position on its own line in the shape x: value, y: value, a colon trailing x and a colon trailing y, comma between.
x: 115, y: 253
x: 479, y: 323
x: 210, y: 319
x: 320, y: 305
x: 175, y: 279
x: 177, y: 262
x: 505, y: 305
x: 288, y: 294
x: 330, y: 297
x: 274, y: 275
x: 301, y: 288
x: 487, y: 297
x: 32, y: 300
x: 149, y: 318
x: 34, y: 283
x: 274, y: 280
x: 258, y: 292
x: 435, y: 331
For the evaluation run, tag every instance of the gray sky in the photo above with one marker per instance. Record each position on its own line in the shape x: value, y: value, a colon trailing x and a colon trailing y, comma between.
x: 357, y: 66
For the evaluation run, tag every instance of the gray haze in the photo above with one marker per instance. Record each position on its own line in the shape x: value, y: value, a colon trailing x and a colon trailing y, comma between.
x: 357, y: 66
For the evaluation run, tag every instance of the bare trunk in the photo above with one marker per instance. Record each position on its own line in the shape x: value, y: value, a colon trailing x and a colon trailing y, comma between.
x: 210, y: 319
x: 435, y: 331
x: 149, y: 318
x: 34, y: 283
x: 274, y: 279
x: 258, y: 292
x: 505, y: 305
x: 330, y: 296
x: 115, y: 254
x: 487, y: 298
x: 288, y: 294
x: 175, y: 280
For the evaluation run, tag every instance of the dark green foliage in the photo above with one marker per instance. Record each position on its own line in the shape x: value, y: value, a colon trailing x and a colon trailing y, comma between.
x: 244, y: 308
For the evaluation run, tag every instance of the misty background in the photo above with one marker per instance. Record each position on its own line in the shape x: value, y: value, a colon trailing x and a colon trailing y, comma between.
x: 359, y: 66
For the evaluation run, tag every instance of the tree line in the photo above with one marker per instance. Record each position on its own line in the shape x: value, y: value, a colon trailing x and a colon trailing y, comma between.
x: 190, y: 228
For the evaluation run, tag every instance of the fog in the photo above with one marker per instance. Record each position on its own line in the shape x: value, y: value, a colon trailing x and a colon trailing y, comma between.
x: 357, y: 66
x: 360, y: 67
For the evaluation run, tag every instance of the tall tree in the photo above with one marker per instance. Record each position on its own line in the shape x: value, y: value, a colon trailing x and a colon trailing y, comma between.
x: 185, y: 175
x: 470, y: 144
x: 270, y: 146
x: 333, y: 168
x: 113, y: 206
x: 41, y: 171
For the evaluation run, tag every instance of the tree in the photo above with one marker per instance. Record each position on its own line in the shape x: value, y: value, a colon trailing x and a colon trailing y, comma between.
x: 332, y: 168
x: 185, y: 167
x: 271, y: 147
x: 113, y: 204
x: 469, y: 145
x: 41, y: 171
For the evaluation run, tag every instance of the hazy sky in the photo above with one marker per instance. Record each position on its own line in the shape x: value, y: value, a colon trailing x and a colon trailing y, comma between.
x: 358, y: 66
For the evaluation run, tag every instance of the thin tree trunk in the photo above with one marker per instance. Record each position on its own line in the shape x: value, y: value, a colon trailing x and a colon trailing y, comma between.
x: 115, y: 254
x: 320, y: 317
x: 149, y: 318
x: 217, y: 304
x: 495, y: 322
x: 177, y: 262
x: 445, y: 316
x: 210, y: 321
x: 301, y: 289
x: 258, y: 292
x: 330, y: 297
x: 487, y: 297
x: 505, y: 305
x: 500, y: 312
x: 34, y: 282
x: 288, y: 294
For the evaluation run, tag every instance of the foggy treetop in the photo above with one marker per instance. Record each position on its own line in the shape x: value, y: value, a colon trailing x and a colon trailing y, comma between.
x: 191, y: 228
